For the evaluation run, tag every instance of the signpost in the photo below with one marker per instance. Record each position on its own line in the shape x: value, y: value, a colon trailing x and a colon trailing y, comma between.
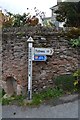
x: 35, y: 54
x: 30, y: 44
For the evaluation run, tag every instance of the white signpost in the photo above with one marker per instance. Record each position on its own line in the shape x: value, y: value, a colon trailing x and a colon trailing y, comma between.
x: 35, y: 54
x: 30, y: 45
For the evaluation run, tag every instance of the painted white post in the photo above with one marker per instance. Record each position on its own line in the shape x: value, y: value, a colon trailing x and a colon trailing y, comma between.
x: 30, y: 45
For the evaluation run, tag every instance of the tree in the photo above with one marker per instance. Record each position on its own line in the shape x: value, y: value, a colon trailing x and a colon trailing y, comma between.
x: 16, y: 20
x: 6, y: 19
x: 69, y: 12
x: 20, y: 20
x: 32, y: 21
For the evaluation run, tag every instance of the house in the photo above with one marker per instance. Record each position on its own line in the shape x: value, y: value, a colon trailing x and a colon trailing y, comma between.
x: 53, y: 15
x: 52, y: 19
x: 47, y: 21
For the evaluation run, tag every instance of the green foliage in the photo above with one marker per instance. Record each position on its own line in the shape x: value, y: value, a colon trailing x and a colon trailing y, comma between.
x: 77, y: 79
x: 13, y: 99
x: 46, y: 95
x: 19, y: 20
x: 65, y: 82
x: 2, y: 93
x: 69, y: 12
x: 77, y: 73
x: 73, y: 33
x: 38, y: 98
x: 75, y: 42
x: 48, y: 23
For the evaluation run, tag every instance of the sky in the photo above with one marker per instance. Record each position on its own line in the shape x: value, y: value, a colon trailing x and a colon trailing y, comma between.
x: 20, y: 6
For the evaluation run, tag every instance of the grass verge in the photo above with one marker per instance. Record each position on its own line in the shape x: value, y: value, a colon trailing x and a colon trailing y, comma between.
x: 18, y: 100
x: 37, y: 99
x: 46, y: 95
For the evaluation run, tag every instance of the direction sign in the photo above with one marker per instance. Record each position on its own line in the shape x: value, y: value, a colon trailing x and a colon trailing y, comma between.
x: 40, y: 58
x: 43, y: 51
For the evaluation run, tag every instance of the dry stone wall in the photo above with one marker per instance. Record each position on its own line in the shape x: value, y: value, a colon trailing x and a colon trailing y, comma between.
x: 14, y: 58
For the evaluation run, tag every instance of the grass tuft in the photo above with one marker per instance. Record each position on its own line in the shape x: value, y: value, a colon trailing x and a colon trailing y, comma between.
x: 37, y: 99
x: 46, y: 95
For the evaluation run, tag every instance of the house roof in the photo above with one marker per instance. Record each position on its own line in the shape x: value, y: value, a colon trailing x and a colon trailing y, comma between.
x: 72, y: 0
x: 52, y: 8
x: 58, y: 1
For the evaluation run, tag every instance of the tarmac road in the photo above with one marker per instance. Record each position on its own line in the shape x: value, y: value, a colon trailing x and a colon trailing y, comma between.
x: 66, y: 110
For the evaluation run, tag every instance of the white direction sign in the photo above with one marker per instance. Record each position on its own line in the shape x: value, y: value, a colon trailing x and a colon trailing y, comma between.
x: 43, y: 51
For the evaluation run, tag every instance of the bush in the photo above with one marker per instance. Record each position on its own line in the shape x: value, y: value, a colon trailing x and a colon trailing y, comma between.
x: 77, y: 73
x: 47, y: 94
x: 65, y: 82
x: 77, y: 79
x: 73, y: 33
x: 75, y: 42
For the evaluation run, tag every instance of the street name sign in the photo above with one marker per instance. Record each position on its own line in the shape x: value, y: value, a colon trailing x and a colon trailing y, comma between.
x: 39, y: 58
x: 43, y: 51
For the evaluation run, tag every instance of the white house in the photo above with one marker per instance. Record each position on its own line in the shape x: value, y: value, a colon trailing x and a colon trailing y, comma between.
x: 53, y: 14
x: 52, y: 19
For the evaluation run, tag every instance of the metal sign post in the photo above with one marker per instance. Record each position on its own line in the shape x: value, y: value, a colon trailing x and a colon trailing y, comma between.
x: 35, y: 54
x: 30, y: 45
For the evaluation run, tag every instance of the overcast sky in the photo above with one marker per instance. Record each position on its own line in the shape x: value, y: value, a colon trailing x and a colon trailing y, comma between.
x: 20, y: 6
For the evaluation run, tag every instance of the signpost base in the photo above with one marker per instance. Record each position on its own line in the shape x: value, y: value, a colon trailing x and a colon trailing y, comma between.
x: 26, y: 101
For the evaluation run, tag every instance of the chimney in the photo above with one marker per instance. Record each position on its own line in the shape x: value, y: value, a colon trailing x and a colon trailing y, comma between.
x: 58, y: 1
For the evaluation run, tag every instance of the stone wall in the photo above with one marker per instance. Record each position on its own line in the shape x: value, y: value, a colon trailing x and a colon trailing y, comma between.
x: 14, y: 57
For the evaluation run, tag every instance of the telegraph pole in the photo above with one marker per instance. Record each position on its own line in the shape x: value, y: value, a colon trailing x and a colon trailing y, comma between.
x: 30, y: 46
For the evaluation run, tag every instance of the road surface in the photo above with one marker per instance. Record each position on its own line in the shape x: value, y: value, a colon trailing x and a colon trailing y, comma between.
x: 66, y: 110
